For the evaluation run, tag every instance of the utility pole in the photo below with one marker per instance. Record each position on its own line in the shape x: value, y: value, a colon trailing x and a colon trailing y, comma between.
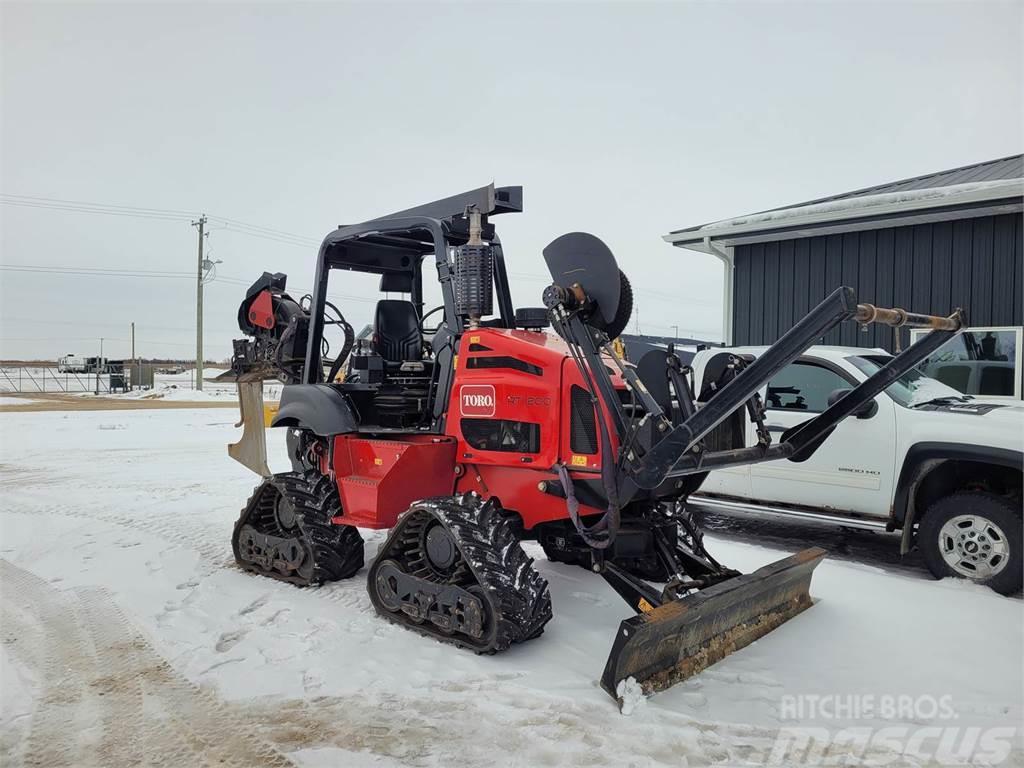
x: 99, y: 365
x: 676, y: 328
x: 199, y: 305
x: 134, y: 373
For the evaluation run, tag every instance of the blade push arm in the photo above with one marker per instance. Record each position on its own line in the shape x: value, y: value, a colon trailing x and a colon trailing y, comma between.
x: 679, y: 453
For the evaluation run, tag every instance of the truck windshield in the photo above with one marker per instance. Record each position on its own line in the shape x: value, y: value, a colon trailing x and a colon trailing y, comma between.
x: 912, y: 388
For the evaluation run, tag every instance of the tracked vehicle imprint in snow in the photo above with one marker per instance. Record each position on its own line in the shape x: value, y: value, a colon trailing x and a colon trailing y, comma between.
x: 466, y: 437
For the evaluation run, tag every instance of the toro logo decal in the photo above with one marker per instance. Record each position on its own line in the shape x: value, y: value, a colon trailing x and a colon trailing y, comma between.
x: 477, y: 400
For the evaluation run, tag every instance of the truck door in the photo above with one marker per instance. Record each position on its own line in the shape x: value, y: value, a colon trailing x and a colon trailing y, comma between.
x: 852, y: 471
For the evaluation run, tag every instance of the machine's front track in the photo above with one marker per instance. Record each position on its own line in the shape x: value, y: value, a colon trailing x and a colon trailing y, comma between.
x: 285, y: 531
x: 452, y: 568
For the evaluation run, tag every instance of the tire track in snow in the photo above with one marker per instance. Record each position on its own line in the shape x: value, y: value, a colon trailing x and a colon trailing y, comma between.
x: 107, y: 697
x: 134, y: 709
x: 212, y: 543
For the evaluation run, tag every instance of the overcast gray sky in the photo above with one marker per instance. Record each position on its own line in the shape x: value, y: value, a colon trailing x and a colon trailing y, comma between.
x: 625, y: 120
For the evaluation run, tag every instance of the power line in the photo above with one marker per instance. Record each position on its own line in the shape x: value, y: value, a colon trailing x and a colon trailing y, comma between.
x: 268, y: 231
x: 226, y: 223
x: 84, y: 209
x: 102, y: 272
x: 100, y: 205
x: 95, y: 324
x: 90, y: 338
x: 93, y: 272
x: 162, y: 214
x: 94, y: 269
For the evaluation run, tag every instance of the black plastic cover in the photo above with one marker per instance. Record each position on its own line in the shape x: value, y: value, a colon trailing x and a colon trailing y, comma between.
x: 579, y: 257
x: 319, y: 408
x: 396, y: 282
x: 532, y: 317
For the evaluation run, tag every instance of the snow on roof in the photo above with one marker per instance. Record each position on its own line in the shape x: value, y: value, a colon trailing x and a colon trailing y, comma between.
x: 869, y: 204
x: 994, y: 180
x: 1011, y: 167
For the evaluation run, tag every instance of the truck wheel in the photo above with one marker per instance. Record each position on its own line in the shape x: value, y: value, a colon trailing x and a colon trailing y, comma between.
x: 976, y: 536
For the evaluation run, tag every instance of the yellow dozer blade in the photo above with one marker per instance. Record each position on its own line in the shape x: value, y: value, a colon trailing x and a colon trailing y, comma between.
x: 682, y: 637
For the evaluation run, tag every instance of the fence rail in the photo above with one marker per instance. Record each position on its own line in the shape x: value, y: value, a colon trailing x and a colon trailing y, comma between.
x: 29, y: 379
x: 40, y: 379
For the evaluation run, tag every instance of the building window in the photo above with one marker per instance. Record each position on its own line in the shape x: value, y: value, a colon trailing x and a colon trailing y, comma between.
x: 803, y: 387
x: 984, y: 362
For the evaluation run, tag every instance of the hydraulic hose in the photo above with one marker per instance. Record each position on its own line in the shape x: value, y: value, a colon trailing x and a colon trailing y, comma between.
x: 603, y: 532
x: 346, y: 348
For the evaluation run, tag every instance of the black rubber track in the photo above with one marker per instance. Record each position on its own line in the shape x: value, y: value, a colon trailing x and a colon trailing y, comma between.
x: 517, y: 596
x: 336, y: 550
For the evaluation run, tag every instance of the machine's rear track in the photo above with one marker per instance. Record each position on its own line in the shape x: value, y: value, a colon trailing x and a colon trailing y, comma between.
x: 453, y: 569
x: 285, y: 531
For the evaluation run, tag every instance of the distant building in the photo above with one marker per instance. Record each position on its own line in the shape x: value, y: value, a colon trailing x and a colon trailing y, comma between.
x: 931, y: 243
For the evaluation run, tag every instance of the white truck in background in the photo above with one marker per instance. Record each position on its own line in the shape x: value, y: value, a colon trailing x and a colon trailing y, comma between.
x: 71, y: 364
x: 76, y: 364
x: 943, y: 468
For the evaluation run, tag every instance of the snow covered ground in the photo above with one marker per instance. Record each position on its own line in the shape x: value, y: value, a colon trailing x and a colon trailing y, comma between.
x: 123, y: 611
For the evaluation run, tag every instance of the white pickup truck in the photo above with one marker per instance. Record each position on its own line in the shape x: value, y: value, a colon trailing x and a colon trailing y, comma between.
x: 922, y: 458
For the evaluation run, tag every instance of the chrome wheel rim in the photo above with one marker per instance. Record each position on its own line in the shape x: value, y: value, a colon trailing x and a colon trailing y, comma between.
x: 974, y: 547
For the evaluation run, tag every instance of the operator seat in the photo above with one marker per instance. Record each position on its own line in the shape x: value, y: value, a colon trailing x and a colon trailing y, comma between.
x: 397, y: 338
x: 403, y: 398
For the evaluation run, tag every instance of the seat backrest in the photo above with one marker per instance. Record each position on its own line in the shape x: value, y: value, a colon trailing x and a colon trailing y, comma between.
x: 397, y: 331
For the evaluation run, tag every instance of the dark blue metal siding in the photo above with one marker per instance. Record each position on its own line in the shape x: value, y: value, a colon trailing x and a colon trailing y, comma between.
x: 933, y: 268
x: 1018, y: 273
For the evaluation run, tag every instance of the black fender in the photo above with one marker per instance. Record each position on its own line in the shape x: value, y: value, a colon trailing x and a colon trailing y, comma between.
x: 922, y: 459
x: 320, y: 408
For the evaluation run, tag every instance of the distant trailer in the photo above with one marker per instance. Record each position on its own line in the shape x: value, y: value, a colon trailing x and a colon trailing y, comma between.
x: 73, y: 364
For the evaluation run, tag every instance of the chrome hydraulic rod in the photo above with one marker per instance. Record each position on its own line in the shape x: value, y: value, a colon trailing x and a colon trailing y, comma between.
x: 897, y: 318
x: 806, y: 437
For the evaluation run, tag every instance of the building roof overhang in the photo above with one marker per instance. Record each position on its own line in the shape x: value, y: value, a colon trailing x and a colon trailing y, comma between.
x: 890, y: 209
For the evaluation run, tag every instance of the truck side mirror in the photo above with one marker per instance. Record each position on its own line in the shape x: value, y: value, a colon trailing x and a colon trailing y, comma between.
x: 866, y: 411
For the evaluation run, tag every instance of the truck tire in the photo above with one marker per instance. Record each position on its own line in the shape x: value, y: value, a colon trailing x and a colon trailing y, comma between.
x: 977, y: 536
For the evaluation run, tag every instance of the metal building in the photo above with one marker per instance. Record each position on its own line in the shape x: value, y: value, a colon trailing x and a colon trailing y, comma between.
x: 934, y: 242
